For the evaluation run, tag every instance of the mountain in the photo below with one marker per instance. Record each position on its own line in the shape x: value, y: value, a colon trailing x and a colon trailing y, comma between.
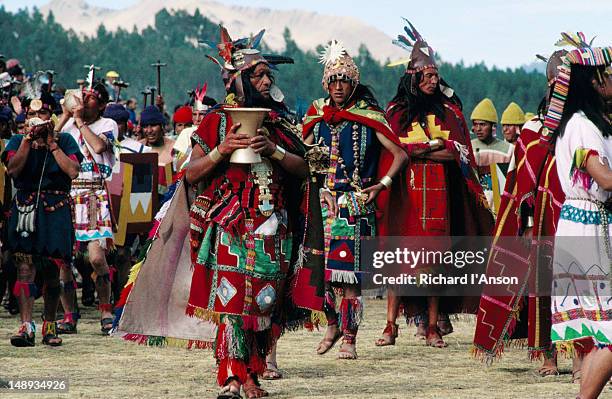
x: 308, y: 29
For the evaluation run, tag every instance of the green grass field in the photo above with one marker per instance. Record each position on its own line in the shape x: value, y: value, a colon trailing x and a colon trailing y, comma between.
x: 106, y: 367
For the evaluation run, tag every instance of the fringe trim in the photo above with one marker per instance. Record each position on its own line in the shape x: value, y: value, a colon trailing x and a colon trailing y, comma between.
x: 317, y: 319
x: 203, y: 314
x: 343, y: 276
x: 152, y: 340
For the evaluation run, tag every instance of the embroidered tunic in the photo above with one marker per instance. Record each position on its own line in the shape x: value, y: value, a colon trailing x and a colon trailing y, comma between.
x: 581, y: 302
x: 91, y: 201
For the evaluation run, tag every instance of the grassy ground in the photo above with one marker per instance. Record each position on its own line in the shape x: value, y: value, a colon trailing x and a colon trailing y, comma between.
x: 98, y: 367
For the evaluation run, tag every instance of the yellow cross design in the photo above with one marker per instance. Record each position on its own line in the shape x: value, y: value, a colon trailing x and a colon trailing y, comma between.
x: 416, y: 134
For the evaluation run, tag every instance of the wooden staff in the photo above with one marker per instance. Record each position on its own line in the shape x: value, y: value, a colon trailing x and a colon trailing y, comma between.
x: 159, y: 66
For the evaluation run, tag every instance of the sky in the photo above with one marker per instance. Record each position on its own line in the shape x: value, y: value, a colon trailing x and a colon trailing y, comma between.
x: 502, y: 33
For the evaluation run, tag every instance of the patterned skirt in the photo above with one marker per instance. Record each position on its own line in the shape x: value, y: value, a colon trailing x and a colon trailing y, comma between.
x: 92, y: 213
x: 581, y: 296
x: 342, y: 236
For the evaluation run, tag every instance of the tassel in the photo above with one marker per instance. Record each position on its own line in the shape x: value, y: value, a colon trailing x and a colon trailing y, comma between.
x: 29, y: 290
x: 92, y: 210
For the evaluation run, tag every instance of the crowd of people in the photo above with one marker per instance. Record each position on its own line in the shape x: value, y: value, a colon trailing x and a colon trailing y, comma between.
x: 275, y: 242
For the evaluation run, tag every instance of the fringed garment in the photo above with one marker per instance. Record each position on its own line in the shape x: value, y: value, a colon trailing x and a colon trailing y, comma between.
x: 581, y: 301
x: 440, y: 198
x: 532, y: 190
x: 242, y: 245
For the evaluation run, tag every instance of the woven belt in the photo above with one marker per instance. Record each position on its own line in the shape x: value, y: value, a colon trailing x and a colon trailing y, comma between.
x: 87, y: 184
x: 605, y: 222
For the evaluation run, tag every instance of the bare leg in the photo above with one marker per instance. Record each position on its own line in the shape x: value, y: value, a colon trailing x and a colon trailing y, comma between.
x: 272, y: 372
x: 596, y: 372
x: 350, y: 322
x: 391, y: 329
x: 25, y: 274
x: 332, y: 332
x: 577, y: 369
x: 433, y: 337
x: 97, y: 258
x: 25, y: 292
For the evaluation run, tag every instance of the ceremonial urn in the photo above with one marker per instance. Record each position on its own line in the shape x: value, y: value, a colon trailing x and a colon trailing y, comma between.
x: 250, y: 120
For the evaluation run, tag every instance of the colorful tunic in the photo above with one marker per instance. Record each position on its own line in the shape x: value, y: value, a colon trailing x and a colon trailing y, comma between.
x: 354, y: 152
x: 242, y: 227
x: 581, y: 302
x: 89, y: 193
x: 53, y: 235
x: 443, y: 198
x: 532, y: 190
x: 492, y: 160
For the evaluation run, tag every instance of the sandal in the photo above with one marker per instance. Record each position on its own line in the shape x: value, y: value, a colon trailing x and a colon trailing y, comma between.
x: 437, y: 341
x: 445, y: 326
x: 347, y: 354
x: 50, y: 335
x: 576, y: 376
x: 327, y: 343
x: 106, y: 324
x: 388, y: 335
x: 548, y: 371
x: 229, y: 390
x: 271, y: 372
x: 66, y: 327
x: 252, y: 389
x: 25, y: 336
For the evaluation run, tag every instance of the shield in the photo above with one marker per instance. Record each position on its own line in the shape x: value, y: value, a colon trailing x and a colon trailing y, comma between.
x: 133, y: 192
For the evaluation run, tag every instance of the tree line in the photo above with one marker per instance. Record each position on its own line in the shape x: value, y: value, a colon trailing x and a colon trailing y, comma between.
x: 41, y: 43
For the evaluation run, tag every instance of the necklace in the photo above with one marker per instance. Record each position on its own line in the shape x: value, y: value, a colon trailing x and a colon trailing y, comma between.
x: 337, y: 161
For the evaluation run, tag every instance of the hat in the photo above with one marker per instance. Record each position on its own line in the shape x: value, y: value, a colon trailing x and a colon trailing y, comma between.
x: 183, y: 115
x: 198, y: 98
x: 116, y: 112
x: 513, y: 115
x: 583, y: 54
x: 421, y: 55
x: 151, y: 116
x: 485, y: 111
x: 338, y: 64
x: 6, y: 114
x: 112, y: 74
x: 12, y: 62
x: 240, y: 55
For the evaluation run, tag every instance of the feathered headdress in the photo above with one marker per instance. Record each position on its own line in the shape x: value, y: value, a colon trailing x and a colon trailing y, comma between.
x: 33, y: 91
x: 337, y: 64
x: 421, y: 55
x: 240, y: 55
x: 198, y: 96
x: 583, y: 54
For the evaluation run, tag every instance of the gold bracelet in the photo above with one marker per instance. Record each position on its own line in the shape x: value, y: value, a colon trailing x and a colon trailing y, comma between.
x: 386, y: 181
x: 215, y: 155
x: 279, y: 153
